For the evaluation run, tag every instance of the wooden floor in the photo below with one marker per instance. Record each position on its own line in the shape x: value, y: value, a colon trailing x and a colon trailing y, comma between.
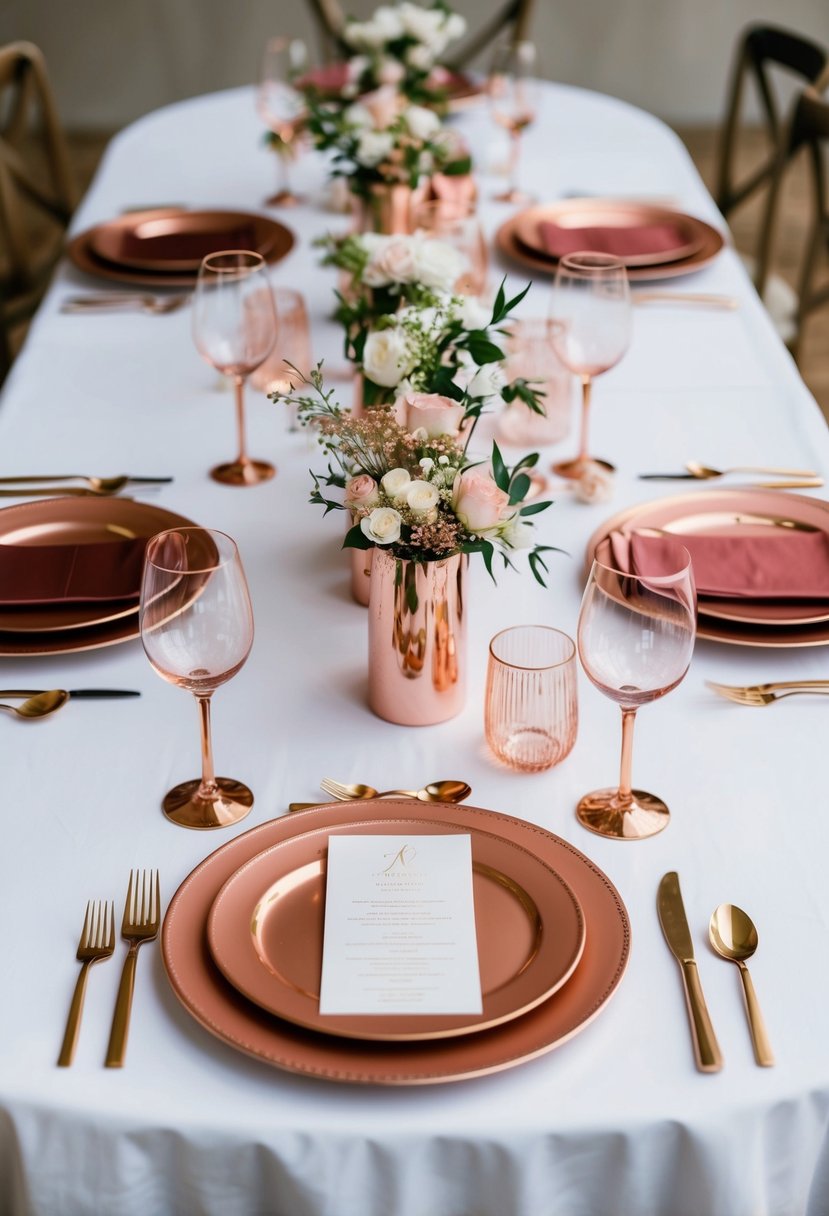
x: 702, y: 144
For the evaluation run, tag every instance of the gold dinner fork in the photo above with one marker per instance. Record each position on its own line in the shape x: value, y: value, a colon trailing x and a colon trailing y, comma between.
x: 142, y: 917
x: 764, y: 694
x: 97, y: 943
x: 158, y: 305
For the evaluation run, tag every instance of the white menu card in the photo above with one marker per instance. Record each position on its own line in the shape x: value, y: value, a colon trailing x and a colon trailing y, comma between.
x: 400, y: 926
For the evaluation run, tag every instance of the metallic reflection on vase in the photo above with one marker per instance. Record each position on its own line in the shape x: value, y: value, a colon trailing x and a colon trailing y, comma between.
x: 361, y: 562
x: 417, y: 639
x: 389, y: 208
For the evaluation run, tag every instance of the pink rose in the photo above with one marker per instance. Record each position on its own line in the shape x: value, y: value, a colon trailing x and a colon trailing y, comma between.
x: 392, y: 262
x: 478, y: 503
x: 383, y: 105
x: 361, y: 492
x: 437, y: 415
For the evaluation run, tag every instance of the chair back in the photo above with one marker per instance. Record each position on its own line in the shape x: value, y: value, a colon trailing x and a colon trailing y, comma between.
x: 762, y: 48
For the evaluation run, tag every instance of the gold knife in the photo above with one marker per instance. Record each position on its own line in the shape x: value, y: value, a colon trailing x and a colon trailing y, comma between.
x: 675, y: 927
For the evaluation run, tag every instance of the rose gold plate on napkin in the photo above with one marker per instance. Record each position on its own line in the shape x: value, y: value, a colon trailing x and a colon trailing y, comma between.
x: 710, y: 242
x: 638, y: 234
x: 176, y: 241
x: 75, y: 521
x: 225, y: 1013
x: 265, y: 931
x: 739, y: 513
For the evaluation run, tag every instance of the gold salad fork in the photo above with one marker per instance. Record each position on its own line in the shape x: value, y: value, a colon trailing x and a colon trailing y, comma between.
x: 97, y: 943
x: 764, y: 694
x: 142, y: 917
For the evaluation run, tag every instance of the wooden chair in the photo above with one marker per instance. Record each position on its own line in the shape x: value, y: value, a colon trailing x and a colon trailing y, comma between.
x: 37, y: 195
x: 808, y: 130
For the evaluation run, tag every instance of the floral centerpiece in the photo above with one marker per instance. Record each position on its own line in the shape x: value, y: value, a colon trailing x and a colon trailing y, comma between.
x: 418, y: 500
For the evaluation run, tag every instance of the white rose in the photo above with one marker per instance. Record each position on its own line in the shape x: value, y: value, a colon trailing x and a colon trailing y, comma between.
x: 386, y: 357
x: 390, y: 71
x: 356, y: 66
x: 382, y: 526
x: 473, y: 314
x: 389, y: 21
x: 420, y: 58
x: 595, y: 484
x: 395, y: 484
x: 424, y: 24
x: 359, y: 117
x: 439, y: 265
x: 422, y: 498
x: 518, y: 533
x: 421, y: 122
x: 487, y: 381
x: 369, y: 34
x: 455, y: 26
x: 392, y: 262
x: 373, y: 147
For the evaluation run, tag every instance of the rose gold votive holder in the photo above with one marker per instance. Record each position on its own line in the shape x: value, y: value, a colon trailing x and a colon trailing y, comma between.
x: 531, y: 708
x: 292, y: 346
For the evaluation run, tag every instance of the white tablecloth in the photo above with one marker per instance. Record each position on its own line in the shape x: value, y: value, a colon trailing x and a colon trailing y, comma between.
x: 616, y: 1121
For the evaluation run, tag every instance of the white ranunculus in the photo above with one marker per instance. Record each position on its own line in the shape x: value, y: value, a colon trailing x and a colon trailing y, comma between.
x: 422, y: 123
x: 373, y: 147
x: 487, y: 381
x: 518, y: 533
x: 422, y: 498
x: 395, y: 484
x: 386, y: 357
x: 382, y: 526
x: 359, y: 117
x: 439, y: 265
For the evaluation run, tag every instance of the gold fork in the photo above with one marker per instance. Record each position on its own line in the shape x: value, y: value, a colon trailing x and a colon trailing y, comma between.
x: 764, y: 694
x: 142, y: 917
x: 97, y: 943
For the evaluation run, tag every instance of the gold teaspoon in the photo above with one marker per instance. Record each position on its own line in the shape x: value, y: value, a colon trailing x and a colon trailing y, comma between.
x: 40, y: 705
x: 734, y: 937
x: 436, y: 791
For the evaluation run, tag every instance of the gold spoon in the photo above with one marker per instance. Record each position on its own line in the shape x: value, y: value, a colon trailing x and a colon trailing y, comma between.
x: 734, y: 937
x: 40, y: 705
x: 705, y: 471
x: 436, y: 791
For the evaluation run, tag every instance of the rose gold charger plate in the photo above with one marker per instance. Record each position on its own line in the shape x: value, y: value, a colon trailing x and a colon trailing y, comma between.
x: 265, y: 931
x: 52, y: 521
x: 222, y: 1010
x: 164, y: 247
x: 613, y: 217
x: 739, y: 622
x: 704, y: 241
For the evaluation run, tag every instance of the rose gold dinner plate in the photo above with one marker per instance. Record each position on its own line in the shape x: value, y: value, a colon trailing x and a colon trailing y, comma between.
x: 741, y: 622
x: 72, y: 521
x: 265, y: 931
x: 686, y: 236
x: 708, y: 240
x: 164, y: 247
x: 226, y: 1013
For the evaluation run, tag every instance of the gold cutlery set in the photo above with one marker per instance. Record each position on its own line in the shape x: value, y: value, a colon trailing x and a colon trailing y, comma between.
x: 140, y: 923
x: 732, y: 936
x: 764, y: 694
x: 435, y: 791
x: 113, y: 302
x: 796, y: 479
x: 51, y: 485
x: 39, y: 703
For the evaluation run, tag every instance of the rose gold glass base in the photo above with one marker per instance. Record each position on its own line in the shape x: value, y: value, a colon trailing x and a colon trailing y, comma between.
x: 574, y: 469
x: 184, y: 806
x: 512, y: 195
x: 604, y: 813
x: 243, y: 472
x: 284, y: 198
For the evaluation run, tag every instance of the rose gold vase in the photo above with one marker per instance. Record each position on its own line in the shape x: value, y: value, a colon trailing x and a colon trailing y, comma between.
x: 389, y: 208
x: 361, y: 562
x: 417, y: 639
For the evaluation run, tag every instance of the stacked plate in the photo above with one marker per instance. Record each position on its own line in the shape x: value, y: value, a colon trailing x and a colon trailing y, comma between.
x: 164, y: 247
x: 778, y: 619
x: 653, y: 242
x: 243, y: 936
x: 73, y: 572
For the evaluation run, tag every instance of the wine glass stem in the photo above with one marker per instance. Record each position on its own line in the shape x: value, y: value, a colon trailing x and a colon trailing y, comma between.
x: 239, y: 384
x: 625, y: 795
x: 283, y: 185
x: 514, y: 157
x: 208, y: 787
x: 586, y: 387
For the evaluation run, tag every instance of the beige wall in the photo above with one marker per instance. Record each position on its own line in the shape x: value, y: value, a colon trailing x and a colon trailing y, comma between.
x: 113, y: 60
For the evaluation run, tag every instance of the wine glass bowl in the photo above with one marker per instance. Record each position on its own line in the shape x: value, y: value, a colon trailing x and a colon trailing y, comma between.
x: 196, y: 625
x: 281, y: 107
x: 514, y: 94
x: 635, y: 640
x: 234, y: 329
x: 591, y: 307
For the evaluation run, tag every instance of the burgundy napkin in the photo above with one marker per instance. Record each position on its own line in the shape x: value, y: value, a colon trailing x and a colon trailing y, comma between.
x: 629, y: 241
x: 48, y: 574
x: 784, y: 565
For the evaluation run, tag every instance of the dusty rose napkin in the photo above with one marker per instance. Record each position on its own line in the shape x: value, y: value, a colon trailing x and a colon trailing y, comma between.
x: 780, y: 566
x: 631, y: 241
x: 329, y: 78
x: 48, y: 574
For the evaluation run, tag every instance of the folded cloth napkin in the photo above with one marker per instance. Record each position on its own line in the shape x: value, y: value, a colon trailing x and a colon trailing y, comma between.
x: 48, y: 574
x: 784, y: 565
x: 329, y: 78
x: 629, y: 241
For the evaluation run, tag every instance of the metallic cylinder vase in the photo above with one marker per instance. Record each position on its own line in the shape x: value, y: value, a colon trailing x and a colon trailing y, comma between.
x: 417, y: 639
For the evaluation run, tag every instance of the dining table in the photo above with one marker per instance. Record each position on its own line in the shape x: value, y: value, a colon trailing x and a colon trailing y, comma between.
x: 617, y: 1119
